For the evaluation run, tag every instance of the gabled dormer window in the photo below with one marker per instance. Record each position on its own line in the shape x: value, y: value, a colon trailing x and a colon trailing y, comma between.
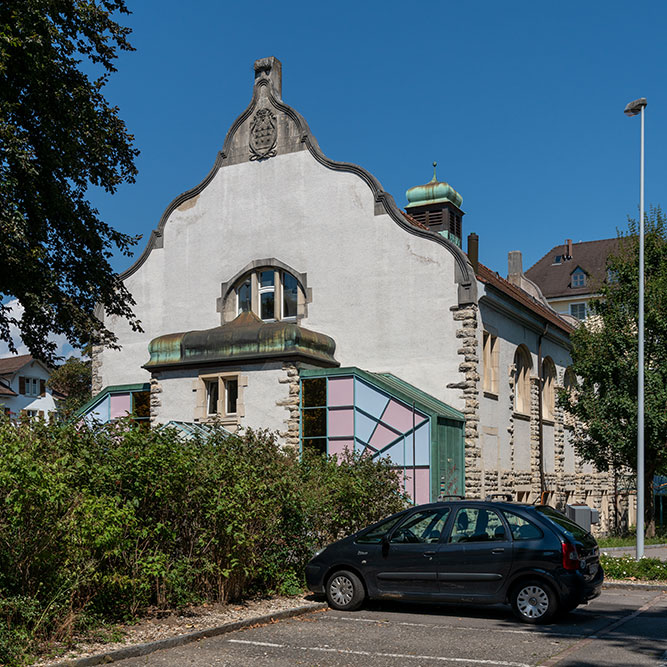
x: 578, y: 277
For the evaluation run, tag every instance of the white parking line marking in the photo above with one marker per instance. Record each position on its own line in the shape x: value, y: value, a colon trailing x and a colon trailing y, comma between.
x: 373, y: 654
x: 244, y: 641
x: 570, y: 635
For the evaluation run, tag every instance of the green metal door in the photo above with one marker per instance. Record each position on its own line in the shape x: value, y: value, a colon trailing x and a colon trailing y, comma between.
x: 448, y: 471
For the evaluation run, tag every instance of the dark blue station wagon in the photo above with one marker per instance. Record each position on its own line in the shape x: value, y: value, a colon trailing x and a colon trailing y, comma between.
x: 470, y: 551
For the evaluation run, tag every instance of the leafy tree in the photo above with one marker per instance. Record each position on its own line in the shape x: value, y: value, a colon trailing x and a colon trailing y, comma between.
x: 59, y: 136
x: 72, y: 380
x: 605, y: 357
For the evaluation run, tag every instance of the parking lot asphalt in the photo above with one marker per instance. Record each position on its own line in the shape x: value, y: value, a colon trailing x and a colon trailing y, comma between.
x: 619, y: 628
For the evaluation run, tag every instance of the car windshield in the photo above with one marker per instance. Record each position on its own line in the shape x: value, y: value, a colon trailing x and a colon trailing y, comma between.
x: 563, y: 522
x: 374, y: 535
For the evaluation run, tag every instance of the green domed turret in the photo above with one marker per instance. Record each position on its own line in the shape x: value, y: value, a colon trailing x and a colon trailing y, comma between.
x: 434, y: 192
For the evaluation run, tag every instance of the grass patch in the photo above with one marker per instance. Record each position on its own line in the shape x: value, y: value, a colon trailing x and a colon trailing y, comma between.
x: 629, y: 541
x: 626, y: 567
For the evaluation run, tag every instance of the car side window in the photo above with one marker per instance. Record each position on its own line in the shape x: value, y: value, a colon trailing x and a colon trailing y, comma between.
x: 421, y: 528
x: 375, y: 535
x: 475, y: 524
x: 521, y: 528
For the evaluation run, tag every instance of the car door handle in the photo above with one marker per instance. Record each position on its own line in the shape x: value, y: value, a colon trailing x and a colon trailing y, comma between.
x: 429, y: 554
x: 499, y: 550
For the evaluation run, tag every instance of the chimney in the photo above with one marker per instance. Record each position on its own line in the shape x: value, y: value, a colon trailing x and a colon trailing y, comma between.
x: 514, y: 267
x: 568, y: 248
x: 270, y: 68
x: 473, y: 251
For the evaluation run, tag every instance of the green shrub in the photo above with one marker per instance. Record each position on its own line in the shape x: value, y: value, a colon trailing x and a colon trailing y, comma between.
x: 626, y: 567
x: 98, y: 524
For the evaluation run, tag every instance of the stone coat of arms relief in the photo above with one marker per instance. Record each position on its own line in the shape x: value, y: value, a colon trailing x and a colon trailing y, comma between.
x: 263, y: 135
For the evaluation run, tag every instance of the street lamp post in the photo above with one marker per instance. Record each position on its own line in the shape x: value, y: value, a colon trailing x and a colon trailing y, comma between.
x: 632, y: 109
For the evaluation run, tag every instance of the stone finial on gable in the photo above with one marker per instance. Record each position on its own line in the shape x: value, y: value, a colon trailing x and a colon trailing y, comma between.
x: 272, y: 69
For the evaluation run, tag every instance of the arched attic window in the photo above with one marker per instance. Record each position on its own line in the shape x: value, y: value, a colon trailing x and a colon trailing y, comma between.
x: 268, y: 288
x: 548, y: 388
x: 523, y: 365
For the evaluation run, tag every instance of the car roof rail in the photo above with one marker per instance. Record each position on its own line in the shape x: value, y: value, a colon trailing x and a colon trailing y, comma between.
x: 505, y: 495
x: 442, y: 496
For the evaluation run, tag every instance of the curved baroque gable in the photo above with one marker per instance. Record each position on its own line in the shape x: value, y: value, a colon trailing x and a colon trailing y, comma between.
x: 269, y: 127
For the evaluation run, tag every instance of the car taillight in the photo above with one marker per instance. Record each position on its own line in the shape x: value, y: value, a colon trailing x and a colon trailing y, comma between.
x: 570, y: 557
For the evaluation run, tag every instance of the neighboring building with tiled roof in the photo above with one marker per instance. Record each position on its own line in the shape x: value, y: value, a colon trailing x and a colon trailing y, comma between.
x: 23, y: 390
x: 571, y: 274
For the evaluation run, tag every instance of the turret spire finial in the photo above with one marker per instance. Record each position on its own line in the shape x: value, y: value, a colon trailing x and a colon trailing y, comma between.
x: 435, y: 164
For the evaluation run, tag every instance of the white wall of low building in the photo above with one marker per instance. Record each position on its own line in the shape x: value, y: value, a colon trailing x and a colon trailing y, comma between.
x: 260, y: 401
x: 44, y: 404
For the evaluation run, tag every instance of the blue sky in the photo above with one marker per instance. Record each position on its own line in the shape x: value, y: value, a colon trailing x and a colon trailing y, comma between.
x: 521, y: 104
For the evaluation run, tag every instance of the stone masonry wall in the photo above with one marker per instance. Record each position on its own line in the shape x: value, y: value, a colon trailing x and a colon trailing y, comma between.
x: 466, y: 319
x: 96, y: 369
x: 155, y: 390
x: 290, y: 435
x: 584, y: 485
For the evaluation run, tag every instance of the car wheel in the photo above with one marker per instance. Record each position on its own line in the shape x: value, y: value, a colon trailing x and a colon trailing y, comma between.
x: 345, y: 591
x: 533, y: 602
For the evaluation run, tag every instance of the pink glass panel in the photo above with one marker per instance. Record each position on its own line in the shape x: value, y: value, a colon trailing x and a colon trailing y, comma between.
x: 120, y: 406
x: 341, y: 391
x: 400, y: 417
x: 339, y: 446
x: 422, y: 480
x: 341, y: 422
x: 382, y: 437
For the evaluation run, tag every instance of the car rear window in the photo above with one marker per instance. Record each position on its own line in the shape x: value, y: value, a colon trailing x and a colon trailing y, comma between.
x: 521, y: 528
x: 563, y: 522
x: 374, y: 535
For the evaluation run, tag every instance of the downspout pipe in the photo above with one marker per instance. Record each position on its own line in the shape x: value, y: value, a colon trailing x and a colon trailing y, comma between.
x: 540, y: 415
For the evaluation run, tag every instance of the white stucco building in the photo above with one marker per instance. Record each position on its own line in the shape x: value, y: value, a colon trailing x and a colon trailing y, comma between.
x: 23, y: 390
x: 288, y: 291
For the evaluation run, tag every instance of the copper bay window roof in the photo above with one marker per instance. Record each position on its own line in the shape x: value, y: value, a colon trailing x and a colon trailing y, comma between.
x: 246, y: 338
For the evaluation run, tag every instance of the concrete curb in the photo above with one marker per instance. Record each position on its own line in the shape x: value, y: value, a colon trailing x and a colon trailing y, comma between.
x: 646, y: 548
x: 628, y: 585
x: 138, y: 650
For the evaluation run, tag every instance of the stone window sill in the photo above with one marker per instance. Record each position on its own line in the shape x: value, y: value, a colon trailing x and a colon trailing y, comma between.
x: 491, y: 394
x: 521, y: 416
x: 548, y: 422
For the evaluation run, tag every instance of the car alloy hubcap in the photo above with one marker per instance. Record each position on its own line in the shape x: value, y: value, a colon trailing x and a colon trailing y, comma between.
x: 341, y: 590
x: 532, y: 601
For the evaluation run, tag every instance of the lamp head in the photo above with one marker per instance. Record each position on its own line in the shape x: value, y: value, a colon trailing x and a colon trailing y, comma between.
x: 634, y: 108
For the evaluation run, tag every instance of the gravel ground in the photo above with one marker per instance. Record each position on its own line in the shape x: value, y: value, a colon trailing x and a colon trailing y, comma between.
x: 162, y: 624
